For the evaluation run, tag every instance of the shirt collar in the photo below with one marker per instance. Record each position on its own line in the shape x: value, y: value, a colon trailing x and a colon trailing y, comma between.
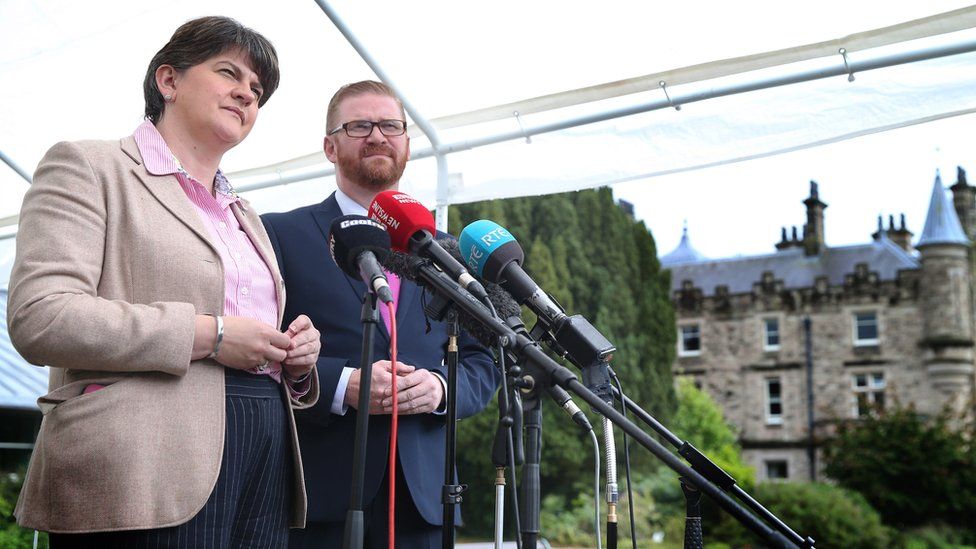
x: 348, y: 205
x: 160, y: 160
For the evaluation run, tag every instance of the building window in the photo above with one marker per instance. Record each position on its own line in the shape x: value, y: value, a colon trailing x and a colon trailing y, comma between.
x: 690, y: 340
x: 777, y: 469
x: 865, y: 328
x: 774, y: 401
x: 869, y: 393
x: 770, y: 334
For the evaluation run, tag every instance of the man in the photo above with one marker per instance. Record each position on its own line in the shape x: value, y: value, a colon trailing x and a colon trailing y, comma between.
x: 367, y: 142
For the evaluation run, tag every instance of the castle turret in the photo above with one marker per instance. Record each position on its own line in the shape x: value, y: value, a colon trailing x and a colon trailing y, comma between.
x: 946, y: 299
x: 813, y: 231
x: 964, y: 202
x: 684, y: 253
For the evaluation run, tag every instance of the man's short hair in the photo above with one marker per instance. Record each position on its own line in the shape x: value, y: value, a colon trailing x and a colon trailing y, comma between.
x: 200, y: 39
x: 353, y: 90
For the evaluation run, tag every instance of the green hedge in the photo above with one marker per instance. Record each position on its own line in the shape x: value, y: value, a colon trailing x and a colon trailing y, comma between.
x: 831, y: 515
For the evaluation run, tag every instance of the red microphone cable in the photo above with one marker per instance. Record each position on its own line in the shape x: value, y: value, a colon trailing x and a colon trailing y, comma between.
x: 391, y: 519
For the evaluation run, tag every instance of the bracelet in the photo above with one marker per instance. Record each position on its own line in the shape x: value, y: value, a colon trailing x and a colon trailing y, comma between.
x: 220, y: 336
x: 297, y: 380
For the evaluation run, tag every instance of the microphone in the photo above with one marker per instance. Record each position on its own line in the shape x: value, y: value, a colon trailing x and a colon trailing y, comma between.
x: 358, y: 245
x: 405, y: 266
x: 557, y: 393
x: 565, y: 402
x: 409, y: 267
x: 494, y: 255
x: 411, y: 229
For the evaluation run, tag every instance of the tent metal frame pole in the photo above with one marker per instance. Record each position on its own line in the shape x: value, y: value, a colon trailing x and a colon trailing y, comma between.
x: 676, y: 98
x: 844, y: 66
x: 421, y: 121
x: 13, y: 166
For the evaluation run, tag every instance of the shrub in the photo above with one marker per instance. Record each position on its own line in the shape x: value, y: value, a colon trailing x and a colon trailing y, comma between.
x: 11, y: 535
x: 935, y: 537
x: 831, y: 515
x: 914, y: 470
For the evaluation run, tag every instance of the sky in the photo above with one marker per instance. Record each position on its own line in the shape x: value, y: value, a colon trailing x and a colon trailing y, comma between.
x: 738, y: 209
x: 76, y: 74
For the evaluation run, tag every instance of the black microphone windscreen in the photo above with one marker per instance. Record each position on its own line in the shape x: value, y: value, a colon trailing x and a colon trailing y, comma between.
x: 403, y: 265
x: 505, y: 305
x: 502, y: 257
x: 351, y: 235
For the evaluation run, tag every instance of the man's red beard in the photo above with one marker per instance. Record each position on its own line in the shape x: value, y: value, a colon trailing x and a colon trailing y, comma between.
x: 376, y: 175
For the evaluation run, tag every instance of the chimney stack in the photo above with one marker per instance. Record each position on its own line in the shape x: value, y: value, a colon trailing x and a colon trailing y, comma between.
x: 813, y: 231
x: 901, y: 236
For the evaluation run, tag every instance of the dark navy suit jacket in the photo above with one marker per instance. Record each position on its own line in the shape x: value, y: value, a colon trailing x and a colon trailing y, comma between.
x: 315, y: 286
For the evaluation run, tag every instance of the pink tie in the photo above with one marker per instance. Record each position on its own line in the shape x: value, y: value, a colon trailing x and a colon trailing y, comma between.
x: 394, y: 282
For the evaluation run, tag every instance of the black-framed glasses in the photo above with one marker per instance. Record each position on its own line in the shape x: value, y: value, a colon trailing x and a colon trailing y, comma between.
x: 362, y: 128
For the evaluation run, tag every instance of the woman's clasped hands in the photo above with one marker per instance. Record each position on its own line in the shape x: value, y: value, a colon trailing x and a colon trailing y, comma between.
x: 247, y: 343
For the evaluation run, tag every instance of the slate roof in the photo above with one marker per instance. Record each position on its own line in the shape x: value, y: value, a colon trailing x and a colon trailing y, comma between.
x: 795, y: 269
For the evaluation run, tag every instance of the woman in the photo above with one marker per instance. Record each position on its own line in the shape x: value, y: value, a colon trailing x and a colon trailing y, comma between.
x: 153, y: 293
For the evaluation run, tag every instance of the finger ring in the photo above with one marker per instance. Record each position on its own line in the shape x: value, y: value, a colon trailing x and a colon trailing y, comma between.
x: 262, y: 366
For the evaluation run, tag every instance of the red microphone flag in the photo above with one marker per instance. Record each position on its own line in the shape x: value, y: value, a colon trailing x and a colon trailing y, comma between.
x: 403, y: 216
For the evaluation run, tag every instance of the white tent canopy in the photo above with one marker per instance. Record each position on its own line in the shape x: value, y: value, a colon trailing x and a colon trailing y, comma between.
x: 74, y: 70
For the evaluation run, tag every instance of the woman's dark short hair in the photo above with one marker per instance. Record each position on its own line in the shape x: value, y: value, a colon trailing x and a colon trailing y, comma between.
x: 200, y: 39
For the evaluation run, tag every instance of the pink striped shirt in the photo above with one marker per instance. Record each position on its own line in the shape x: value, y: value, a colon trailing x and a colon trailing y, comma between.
x: 249, y: 288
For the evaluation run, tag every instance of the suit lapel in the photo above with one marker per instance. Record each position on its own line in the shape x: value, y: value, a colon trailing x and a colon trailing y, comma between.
x: 407, y: 300
x: 324, y: 215
x: 166, y: 189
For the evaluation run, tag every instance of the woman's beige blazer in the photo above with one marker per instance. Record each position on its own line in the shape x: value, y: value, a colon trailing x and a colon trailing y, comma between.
x: 112, y: 265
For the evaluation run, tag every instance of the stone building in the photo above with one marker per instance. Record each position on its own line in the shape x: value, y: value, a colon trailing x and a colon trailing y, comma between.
x: 789, y: 342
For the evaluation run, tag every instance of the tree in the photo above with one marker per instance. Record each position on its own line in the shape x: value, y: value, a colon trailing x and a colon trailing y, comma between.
x: 833, y: 516
x: 914, y: 470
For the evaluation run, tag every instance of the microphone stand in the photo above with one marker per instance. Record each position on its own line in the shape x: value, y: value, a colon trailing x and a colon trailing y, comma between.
x: 507, y: 449
x: 693, y: 518
x: 353, y: 533
x: 531, y: 492
x: 575, y: 338
x: 540, y: 365
x: 579, y: 341
x: 544, y: 369
x: 596, y: 377
x: 451, y: 493
x: 715, y: 474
